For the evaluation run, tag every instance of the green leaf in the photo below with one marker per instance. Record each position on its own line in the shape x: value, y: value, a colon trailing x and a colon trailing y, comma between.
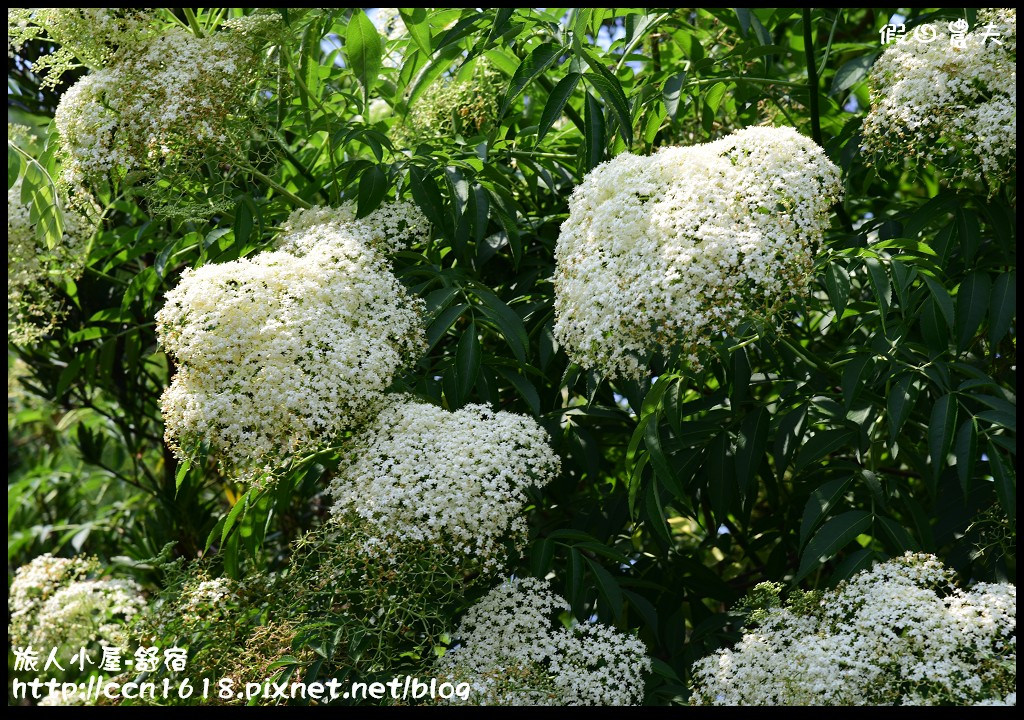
x: 852, y: 564
x: 415, y: 20
x: 971, y: 306
x: 1005, y: 478
x: 635, y: 481
x: 835, y: 534
x: 611, y: 91
x: 881, y: 285
x: 523, y: 386
x: 824, y: 443
x: 644, y: 607
x: 574, y: 578
x: 652, y: 400
x: 39, y: 192
x: 940, y: 431
x: 179, y: 476
x: 852, y: 72
x: 966, y: 451
x: 533, y: 65
x: 593, y: 123
x: 510, y: 324
x: 712, y: 101
x: 750, y: 447
x: 541, y: 556
x: 556, y: 103
x: 837, y: 282
x: 243, y: 222
x: 607, y: 586
x: 438, y: 66
x: 363, y: 49
x: 855, y: 374
x: 968, y: 232
x: 232, y: 517
x: 942, y: 299
x: 655, y: 514
x: 467, y: 361
x: 821, y: 501
x: 934, y: 328
x: 14, y: 163
x: 1002, y: 306
x: 899, y: 535
x: 900, y: 403
x: 672, y: 92
x: 443, y: 323
x: 659, y: 461
x: 373, y: 186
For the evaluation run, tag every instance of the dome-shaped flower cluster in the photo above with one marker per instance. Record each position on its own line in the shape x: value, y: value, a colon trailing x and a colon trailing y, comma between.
x: 390, y: 228
x: 161, y: 102
x: 901, y: 633
x: 35, y: 273
x: 279, y: 353
x: 419, y: 473
x: 669, y: 252
x: 514, y: 650
x: 950, y: 104
x: 54, y: 603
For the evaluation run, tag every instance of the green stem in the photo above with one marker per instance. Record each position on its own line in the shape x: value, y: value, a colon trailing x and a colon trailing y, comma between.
x: 828, y: 46
x: 550, y: 155
x: 746, y: 342
x: 805, y: 356
x: 295, y: 199
x: 812, y: 77
x: 192, y: 22
x: 733, y: 78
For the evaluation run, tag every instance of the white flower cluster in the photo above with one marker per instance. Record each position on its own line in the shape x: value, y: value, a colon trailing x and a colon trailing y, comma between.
x: 52, y: 603
x: 899, y: 634
x: 35, y: 272
x: 515, y: 650
x: 670, y: 251
x: 89, y: 611
x: 161, y: 101
x: 201, y: 599
x: 419, y: 473
x: 390, y: 228
x: 84, y: 36
x: 951, y: 105
x: 279, y: 353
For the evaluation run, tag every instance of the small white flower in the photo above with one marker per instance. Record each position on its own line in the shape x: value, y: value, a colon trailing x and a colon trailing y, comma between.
x: 666, y: 252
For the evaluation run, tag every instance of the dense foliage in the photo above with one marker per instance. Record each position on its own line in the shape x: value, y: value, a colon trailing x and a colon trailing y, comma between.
x: 322, y: 322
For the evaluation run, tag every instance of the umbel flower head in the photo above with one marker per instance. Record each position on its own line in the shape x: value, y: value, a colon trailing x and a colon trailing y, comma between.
x: 388, y: 229
x: 162, y: 104
x: 514, y: 650
x: 901, y: 633
x: 83, y: 36
x: 54, y: 602
x: 419, y: 473
x: 952, y: 104
x: 669, y: 252
x: 279, y: 353
x: 464, y: 104
x: 35, y: 273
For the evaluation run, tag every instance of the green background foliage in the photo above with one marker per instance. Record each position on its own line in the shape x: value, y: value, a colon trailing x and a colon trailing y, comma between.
x: 879, y: 417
